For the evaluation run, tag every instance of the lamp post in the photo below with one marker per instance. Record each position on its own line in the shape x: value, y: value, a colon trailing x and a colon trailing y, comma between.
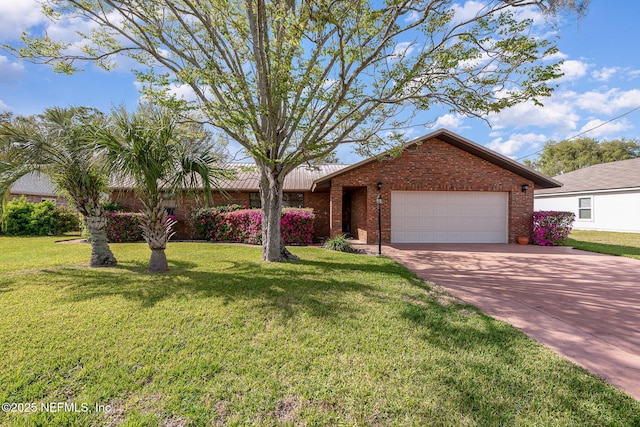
x: 379, y: 203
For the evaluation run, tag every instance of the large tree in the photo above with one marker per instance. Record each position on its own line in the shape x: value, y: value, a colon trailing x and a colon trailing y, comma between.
x: 58, y: 143
x: 561, y: 157
x: 162, y: 158
x: 291, y: 79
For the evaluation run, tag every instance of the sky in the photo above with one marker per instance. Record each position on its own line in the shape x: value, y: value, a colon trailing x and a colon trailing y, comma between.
x: 598, y: 96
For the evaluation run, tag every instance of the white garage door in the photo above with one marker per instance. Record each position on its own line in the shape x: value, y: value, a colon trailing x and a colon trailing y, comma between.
x: 448, y: 217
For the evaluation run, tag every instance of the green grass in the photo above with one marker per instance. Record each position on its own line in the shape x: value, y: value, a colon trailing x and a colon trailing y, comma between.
x: 605, y: 242
x: 224, y: 339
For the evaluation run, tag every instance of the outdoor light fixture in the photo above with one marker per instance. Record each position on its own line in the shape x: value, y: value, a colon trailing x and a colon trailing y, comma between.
x: 525, y: 187
x: 379, y: 186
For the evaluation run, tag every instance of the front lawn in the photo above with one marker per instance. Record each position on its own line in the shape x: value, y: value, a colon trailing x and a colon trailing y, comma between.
x: 224, y: 339
x: 605, y: 242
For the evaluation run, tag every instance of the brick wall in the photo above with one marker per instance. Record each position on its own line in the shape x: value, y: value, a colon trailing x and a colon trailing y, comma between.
x: 433, y: 166
x: 34, y: 198
x: 319, y: 202
x: 184, y: 206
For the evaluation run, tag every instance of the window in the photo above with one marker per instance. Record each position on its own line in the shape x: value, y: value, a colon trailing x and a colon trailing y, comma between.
x: 289, y: 200
x: 254, y: 200
x: 293, y: 200
x: 585, y: 206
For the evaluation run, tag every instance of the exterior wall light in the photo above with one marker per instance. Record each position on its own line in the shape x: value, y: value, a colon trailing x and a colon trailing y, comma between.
x: 525, y: 187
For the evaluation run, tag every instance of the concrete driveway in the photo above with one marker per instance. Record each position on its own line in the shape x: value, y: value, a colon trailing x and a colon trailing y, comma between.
x: 583, y: 305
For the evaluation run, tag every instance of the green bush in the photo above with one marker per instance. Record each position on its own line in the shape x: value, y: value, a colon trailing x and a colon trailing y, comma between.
x: 21, y: 218
x: 339, y: 243
x: 111, y: 206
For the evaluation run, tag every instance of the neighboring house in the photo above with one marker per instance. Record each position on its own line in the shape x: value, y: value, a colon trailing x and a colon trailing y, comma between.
x: 604, y: 197
x: 442, y: 188
x: 36, y: 188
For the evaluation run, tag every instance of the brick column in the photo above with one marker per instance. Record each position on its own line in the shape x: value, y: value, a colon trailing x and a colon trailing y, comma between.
x: 520, y: 212
x: 335, y: 211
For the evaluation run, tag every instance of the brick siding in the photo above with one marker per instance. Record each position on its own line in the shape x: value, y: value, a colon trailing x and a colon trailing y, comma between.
x: 432, y: 166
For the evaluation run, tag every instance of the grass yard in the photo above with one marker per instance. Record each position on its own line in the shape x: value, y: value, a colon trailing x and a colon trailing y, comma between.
x: 605, y: 242
x: 224, y: 339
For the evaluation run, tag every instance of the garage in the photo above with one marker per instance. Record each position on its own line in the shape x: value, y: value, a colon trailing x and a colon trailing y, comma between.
x: 449, y: 217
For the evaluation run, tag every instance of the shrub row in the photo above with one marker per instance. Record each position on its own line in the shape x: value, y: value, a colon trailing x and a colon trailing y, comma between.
x: 235, y: 223
x: 551, y: 227
x: 123, y: 227
x: 21, y: 218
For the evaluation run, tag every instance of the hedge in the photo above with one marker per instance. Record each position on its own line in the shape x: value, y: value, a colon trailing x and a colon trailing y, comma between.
x: 124, y: 227
x: 21, y: 218
x: 234, y: 223
x: 551, y: 227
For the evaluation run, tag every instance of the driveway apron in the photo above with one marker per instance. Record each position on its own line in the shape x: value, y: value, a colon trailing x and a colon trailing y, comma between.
x: 584, y: 306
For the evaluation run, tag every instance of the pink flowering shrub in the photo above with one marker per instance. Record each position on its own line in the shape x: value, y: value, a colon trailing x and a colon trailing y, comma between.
x: 123, y: 227
x: 296, y: 226
x: 245, y: 225
x: 551, y: 227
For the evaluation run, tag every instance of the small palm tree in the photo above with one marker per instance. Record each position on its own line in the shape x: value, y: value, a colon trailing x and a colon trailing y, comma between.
x: 58, y: 143
x: 153, y: 151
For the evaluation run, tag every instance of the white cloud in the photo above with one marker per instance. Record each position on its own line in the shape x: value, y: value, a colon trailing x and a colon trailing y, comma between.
x: 401, y: 50
x: 560, y: 115
x: 573, y: 70
x: 605, y: 73
x: 448, y: 121
x: 10, y: 72
x: 17, y: 16
x: 413, y: 16
x: 4, y: 107
x: 598, y: 129
x: 607, y: 102
x: 468, y: 11
x: 516, y: 142
x: 558, y: 56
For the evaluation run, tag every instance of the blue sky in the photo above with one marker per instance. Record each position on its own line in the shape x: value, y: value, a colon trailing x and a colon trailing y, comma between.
x: 601, y: 82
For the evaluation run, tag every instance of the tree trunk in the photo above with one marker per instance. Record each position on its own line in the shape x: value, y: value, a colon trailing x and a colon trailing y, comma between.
x: 273, y: 249
x: 101, y: 255
x: 157, y: 230
x: 158, y: 261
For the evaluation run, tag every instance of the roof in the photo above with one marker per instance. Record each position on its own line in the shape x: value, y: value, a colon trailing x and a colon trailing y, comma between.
x: 34, y: 184
x: 299, y: 179
x: 624, y: 174
x: 540, y: 180
x: 248, y: 179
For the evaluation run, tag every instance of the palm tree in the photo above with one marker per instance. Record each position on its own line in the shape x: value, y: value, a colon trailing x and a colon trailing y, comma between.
x: 58, y: 143
x: 161, y: 158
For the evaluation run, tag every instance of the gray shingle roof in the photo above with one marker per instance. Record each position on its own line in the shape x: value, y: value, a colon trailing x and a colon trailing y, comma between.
x: 34, y: 184
x: 605, y: 176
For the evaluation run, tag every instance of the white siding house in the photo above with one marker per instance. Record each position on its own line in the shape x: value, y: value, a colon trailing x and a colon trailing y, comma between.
x: 604, y: 197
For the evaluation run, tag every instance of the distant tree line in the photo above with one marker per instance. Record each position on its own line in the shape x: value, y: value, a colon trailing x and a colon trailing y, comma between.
x: 561, y: 157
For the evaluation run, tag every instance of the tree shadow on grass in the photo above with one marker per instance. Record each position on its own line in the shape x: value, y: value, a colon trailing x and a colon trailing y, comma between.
x: 483, y: 354
x: 289, y: 291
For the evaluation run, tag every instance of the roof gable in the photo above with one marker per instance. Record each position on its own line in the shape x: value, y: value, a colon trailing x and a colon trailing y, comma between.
x: 540, y: 180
